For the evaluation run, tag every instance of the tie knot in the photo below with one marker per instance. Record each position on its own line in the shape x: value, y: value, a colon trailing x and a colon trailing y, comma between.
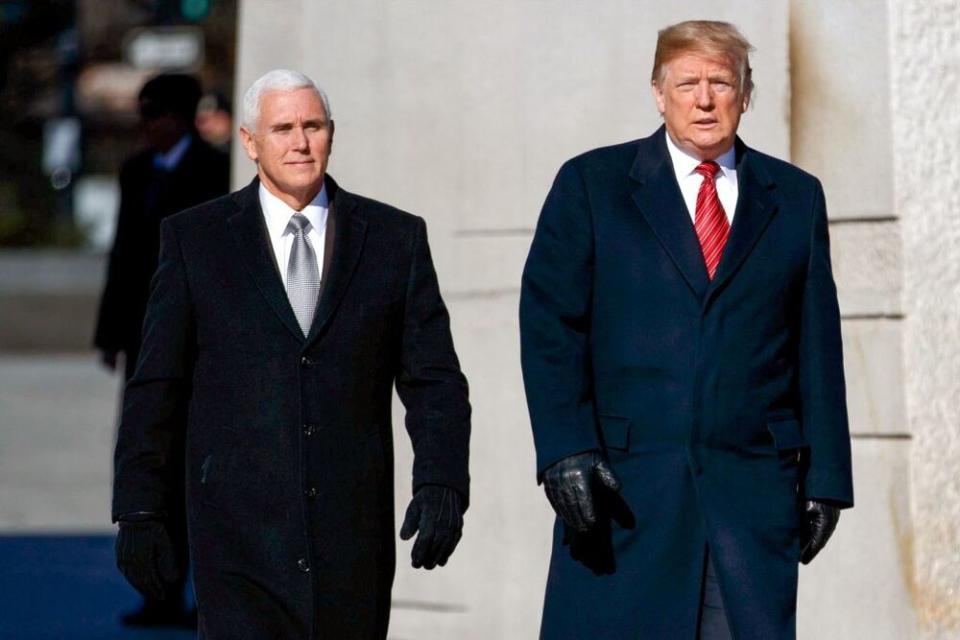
x: 707, y: 168
x: 298, y: 224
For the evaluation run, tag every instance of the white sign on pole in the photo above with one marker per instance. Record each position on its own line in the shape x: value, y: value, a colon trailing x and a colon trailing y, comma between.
x: 165, y: 48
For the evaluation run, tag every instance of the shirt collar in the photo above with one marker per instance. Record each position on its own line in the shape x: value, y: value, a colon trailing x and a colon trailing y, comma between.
x: 277, y: 213
x: 685, y: 164
x: 172, y: 157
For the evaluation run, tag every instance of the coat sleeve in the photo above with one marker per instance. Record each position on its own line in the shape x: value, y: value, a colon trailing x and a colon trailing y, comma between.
x: 430, y: 384
x: 148, y: 461
x: 555, y: 306
x: 821, y: 381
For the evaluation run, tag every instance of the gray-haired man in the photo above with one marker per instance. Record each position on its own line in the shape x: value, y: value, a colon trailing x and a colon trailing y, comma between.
x: 281, y: 317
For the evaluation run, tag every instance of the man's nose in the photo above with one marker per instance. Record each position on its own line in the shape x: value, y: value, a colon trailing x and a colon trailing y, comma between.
x: 300, y: 140
x: 704, y: 95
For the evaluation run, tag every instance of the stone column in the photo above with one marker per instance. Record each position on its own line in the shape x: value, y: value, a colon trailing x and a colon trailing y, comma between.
x: 859, y: 586
x: 925, y: 81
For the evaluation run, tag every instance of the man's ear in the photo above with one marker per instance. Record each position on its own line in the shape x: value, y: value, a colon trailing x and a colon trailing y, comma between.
x: 249, y: 144
x: 332, y: 128
x: 658, y: 97
x: 745, y: 104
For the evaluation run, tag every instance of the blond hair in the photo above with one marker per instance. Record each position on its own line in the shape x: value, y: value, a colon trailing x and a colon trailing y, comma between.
x: 708, y: 37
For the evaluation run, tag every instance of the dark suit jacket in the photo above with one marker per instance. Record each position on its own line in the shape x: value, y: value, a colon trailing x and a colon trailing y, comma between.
x: 288, y: 440
x: 147, y: 196
x: 701, y: 393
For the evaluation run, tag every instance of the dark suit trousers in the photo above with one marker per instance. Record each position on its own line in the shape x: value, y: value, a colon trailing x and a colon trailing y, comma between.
x: 712, y: 618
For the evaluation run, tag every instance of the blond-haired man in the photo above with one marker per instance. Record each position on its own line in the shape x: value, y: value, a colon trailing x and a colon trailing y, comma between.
x: 682, y: 360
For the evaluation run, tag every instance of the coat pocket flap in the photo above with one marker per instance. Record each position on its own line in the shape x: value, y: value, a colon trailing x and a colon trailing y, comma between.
x: 786, y: 434
x: 616, y: 432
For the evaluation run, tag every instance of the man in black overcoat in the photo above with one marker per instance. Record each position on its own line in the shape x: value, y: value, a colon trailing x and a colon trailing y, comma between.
x: 682, y: 359
x: 175, y: 171
x: 280, y: 318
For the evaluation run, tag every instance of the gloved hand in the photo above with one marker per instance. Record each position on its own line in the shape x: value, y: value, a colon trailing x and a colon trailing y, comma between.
x: 820, y: 519
x: 570, y: 483
x: 437, y: 512
x: 146, y: 558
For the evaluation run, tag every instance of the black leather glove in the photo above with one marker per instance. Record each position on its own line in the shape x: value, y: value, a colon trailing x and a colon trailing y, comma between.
x: 146, y: 558
x: 570, y: 483
x: 820, y: 519
x: 437, y: 512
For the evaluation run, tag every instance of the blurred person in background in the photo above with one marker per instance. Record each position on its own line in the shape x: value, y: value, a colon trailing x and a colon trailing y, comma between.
x: 176, y: 170
x: 215, y: 120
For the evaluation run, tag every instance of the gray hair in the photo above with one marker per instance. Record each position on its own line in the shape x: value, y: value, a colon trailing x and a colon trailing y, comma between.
x: 277, y: 80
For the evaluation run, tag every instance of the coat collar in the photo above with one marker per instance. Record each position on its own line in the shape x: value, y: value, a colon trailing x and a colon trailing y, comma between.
x: 350, y: 225
x: 250, y: 233
x: 658, y: 197
x: 757, y: 203
x: 661, y: 203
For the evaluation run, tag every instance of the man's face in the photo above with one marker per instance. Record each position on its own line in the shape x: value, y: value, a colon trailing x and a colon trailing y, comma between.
x: 291, y: 144
x: 214, y: 125
x: 161, y: 129
x: 701, y: 100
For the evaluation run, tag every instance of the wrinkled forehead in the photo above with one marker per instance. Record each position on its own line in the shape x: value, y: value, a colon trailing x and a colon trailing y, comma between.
x: 699, y: 63
x: 296, y: 104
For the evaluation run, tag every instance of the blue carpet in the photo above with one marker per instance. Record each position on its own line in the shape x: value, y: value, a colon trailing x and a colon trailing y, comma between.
x: 66, y: 588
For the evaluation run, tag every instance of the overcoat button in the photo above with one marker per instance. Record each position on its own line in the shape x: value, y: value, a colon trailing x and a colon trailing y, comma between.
x: 308, y: 429
x: 302, y: 565
x: 311, y: 492
x: 305, y: 361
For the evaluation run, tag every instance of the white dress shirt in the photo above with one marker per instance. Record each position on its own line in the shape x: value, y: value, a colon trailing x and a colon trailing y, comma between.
x: 277, y: 215
x: 685, y: 165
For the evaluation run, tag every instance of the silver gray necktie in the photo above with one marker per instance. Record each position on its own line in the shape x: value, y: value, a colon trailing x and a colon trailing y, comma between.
x: 303, y: 278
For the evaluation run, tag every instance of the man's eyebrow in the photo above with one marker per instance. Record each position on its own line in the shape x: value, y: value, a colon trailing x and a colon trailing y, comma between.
x: 722, y: 72
x: 286, y: 126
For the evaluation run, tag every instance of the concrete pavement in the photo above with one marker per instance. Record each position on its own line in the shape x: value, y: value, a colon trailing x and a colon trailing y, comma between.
x: 57, y: 428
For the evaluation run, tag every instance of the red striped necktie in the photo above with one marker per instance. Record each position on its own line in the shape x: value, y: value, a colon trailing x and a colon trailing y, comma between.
x: 710, y: 220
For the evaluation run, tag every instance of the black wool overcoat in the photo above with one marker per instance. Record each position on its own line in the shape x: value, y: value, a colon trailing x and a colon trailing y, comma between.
x: 288, y: 439
x: 720, y: 404
x: 147, y: 196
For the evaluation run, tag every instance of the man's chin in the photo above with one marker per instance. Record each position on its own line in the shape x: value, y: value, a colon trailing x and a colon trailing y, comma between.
x: 712, y: 146
x: 302, y: 184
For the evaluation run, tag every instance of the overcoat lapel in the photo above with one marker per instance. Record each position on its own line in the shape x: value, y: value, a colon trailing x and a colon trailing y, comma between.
x: 250, y: 233
x: 351, y: 228
x: 661, y: 203
x: 756, y: 204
